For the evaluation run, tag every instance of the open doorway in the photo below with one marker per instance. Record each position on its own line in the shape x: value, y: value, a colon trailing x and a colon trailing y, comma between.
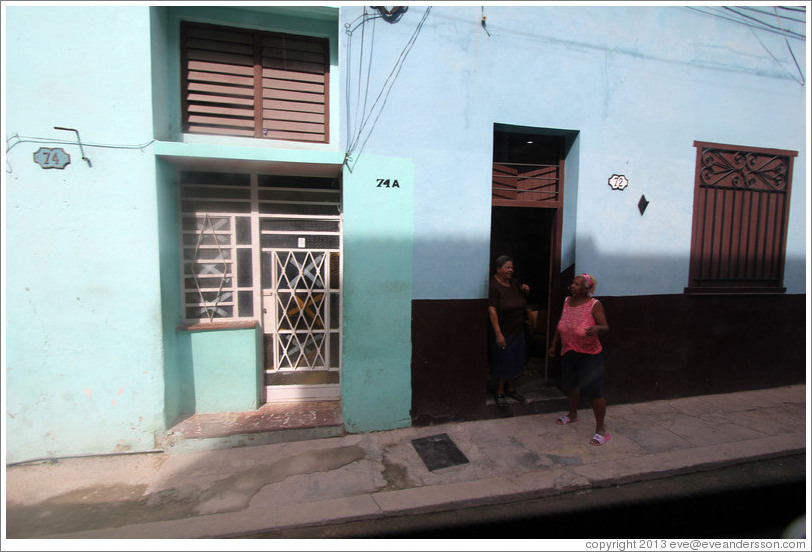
x: 527, y: 186
x: 525, y: 234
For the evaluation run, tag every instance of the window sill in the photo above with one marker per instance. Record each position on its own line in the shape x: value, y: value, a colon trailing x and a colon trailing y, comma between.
x: 735, y: 291
x: 205, y: 326
x: 246, y: 159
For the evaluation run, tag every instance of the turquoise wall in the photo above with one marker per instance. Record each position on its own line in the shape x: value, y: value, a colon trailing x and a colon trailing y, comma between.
x: 83, y: 346
x: 377, y: 293
x: 227, y: 369
x: 179, y: 389
x: 192, y: 378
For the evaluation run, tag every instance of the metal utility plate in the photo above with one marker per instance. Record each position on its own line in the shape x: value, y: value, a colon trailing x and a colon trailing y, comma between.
x: 439, y: 451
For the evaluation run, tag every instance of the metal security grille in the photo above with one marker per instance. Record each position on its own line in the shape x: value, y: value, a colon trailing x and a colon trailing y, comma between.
x: 268, y: 248
x: 741, y: 204
x: 217, y: 249
x: 304, y: 311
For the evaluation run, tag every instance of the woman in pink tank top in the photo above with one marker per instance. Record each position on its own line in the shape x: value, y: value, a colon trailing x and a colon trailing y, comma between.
x: 582, y: 321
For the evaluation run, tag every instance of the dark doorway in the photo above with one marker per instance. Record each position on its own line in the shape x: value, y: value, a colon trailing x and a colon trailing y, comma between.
x: 525, y: 235
x: 525, y: 224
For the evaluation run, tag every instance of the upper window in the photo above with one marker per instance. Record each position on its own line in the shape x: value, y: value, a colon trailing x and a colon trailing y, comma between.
x: 741, y: 205
x: 238, y: 82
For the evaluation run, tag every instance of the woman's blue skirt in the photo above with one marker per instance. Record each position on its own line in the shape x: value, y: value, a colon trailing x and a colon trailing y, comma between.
x: 507, y: 363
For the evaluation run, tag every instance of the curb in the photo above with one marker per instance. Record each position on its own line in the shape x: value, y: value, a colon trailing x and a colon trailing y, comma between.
x: 259, y: 518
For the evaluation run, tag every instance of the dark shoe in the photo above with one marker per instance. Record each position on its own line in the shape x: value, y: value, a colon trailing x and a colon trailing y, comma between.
x: 500, y: 401
x: 516, y: 397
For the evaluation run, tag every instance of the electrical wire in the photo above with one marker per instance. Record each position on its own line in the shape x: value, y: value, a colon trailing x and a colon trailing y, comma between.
x: 770, y: 13
x: 350, y: 29
x: 39, y: 140
x: 791, y: 53
x: 360, y: 66
x: 387, y: 85
x: 782, y: 32
x: 801, y: 82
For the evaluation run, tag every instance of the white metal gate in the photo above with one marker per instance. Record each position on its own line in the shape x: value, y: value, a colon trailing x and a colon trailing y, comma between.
x: 302, y: 324
x: 300, y: 260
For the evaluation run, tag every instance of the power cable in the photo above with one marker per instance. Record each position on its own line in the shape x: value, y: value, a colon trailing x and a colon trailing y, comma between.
x: 791, y: 34
x: 801, y: 73
x: 350, y: 29
x: 39, y: 140
x: 766, y: 27
x: 393, y: 73
x: 801, y: 82
x: 764, y: 23
x: 386, y: 87
x: 770, y: 13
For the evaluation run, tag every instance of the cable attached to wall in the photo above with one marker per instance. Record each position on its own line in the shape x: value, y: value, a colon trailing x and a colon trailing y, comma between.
x: 354, y: 138
x: 15, y: 139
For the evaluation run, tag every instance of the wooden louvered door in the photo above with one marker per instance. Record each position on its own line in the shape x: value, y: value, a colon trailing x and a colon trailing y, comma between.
x: 239, y: 82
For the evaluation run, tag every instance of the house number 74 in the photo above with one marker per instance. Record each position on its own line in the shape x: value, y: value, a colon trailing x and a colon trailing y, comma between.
x: 387, y: 183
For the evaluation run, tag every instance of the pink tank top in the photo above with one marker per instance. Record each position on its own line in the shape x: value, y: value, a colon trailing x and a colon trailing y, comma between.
x: 572, y: 328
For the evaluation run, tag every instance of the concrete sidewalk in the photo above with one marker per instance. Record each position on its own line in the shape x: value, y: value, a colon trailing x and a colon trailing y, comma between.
x: 249, y: 490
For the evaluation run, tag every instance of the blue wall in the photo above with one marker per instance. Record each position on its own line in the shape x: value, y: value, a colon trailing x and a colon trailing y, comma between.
x: 637, y: 84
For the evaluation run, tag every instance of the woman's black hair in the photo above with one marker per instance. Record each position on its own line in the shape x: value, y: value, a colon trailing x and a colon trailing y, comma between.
x: 501, y: 260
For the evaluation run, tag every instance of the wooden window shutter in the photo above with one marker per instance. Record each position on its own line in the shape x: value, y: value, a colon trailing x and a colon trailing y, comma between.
x: 239, y: 82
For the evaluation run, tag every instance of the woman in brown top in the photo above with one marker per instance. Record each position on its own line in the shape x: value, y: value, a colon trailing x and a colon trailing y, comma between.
x: 507, y: 310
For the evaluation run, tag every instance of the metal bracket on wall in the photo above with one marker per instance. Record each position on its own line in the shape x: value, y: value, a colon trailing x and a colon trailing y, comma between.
x: 78, y: 141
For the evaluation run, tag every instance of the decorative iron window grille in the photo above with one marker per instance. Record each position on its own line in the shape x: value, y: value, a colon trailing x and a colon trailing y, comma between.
x: 231, y: 227
x: 741, y: 206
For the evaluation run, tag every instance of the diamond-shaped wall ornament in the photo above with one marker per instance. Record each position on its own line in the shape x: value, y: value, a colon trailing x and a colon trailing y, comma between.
x: 642, y: 204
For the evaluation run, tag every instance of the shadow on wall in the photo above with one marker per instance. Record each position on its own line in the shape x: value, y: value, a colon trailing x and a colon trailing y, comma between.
x: 660, y: 345
x: 670, y: 345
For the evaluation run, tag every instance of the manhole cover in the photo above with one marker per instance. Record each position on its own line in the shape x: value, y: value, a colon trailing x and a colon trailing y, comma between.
x: 439, y: 451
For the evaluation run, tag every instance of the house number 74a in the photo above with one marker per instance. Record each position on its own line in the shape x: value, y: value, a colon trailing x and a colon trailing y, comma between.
x: 387, y: 183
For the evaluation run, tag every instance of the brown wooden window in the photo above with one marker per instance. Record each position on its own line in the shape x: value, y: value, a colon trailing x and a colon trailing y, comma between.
x: 239, y: 82
x: 741, y: 205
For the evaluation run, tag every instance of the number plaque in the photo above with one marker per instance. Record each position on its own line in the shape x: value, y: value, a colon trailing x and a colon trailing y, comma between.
x: 51, y: 158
